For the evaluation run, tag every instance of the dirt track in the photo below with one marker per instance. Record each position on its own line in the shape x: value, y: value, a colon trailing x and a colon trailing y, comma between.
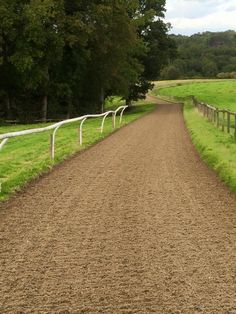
x: 136, y: 224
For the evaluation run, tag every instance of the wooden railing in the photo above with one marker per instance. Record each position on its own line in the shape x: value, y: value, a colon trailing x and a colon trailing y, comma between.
x: 223, y: 119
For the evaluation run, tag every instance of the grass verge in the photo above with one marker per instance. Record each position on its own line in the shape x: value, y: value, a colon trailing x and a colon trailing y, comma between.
x: 25, y: 158
x: 216, y: 148
x: 219, y: 93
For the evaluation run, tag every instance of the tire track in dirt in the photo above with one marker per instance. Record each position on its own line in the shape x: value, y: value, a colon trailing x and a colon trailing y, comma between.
x: 136, y: 224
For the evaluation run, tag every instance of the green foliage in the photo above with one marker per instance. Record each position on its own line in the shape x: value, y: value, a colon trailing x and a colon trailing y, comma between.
x: 170, y: 72
x: 160, y: 47
x: 139, y: 90
x: 205, y: 55
x: 111, y: 66
x: 226, y: 75
x: 65, y: 57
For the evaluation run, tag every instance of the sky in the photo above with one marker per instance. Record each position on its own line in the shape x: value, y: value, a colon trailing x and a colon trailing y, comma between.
x: 188, y: 17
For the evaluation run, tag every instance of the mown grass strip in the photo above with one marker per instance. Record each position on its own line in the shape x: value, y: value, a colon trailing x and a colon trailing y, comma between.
x: 25, y: 158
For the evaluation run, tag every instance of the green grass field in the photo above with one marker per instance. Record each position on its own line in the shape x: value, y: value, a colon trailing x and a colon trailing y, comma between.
x: 216, y: 148
x: 25, y: 158
x: 170, y: 83
x: 221, y: 94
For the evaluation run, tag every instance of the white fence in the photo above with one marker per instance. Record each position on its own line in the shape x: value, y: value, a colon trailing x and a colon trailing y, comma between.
x: 5, y: 137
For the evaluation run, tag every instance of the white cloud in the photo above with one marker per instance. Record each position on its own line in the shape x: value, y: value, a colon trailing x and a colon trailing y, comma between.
x: 191, y: 16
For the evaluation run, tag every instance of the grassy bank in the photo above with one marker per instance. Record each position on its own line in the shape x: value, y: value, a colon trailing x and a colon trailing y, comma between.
x: 216, y: 148
x: 221, y: 94
x: 25, y: 158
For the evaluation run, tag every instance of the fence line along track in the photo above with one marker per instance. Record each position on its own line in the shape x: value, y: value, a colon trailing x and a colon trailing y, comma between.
x: 54, y: 127
x: 221, y: 118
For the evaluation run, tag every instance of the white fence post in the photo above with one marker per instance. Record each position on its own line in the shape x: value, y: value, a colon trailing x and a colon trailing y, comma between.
x: 122, y: 112
x: 81, y: 131
x: 103, y: 120
x: 53, y: 140
x: 3, y: 143
x: 114, y: 120
x: 52, y: 148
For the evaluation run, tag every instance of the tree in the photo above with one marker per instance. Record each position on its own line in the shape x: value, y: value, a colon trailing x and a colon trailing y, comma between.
x: 10, y: 29
x: 160, y: 49
x: 66, y: 56
x: 70, y: 73
x: 112, y: 65
x: 205, y: 54
x: 170, y: 72
x: 40, y: 46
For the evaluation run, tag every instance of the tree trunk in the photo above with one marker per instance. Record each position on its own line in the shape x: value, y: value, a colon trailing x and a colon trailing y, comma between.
x: 69, y: 110
x: 8, y: 107
x: 44, y: 108
x: 128, y: 102
x: 102, y: 98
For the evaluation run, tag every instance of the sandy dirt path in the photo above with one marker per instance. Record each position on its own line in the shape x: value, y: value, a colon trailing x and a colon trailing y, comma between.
x: 136, y: 224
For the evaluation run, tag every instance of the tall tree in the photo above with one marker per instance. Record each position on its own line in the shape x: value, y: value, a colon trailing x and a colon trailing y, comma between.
x: 111, y: 66
x: 11, y: 24
x: 160, y: 48
x: 40, y: 46
x: 75, y: 53
x: 70, y: 72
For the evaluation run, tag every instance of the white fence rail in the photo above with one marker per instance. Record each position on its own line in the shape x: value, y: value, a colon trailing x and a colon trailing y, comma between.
x: 5, y: 137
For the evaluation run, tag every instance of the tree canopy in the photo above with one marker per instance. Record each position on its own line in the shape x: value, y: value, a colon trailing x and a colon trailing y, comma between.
x: 64, y: 57
x: 207, y: 55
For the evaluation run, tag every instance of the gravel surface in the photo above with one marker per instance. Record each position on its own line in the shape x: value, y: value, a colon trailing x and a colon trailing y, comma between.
x: 135, y: 224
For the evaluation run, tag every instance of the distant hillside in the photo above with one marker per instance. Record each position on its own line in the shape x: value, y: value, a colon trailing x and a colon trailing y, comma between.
x: 206, y: 55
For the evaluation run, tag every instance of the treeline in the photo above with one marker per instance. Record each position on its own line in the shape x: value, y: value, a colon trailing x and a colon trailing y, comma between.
x: 64, y: 57
x: 207, y: 55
